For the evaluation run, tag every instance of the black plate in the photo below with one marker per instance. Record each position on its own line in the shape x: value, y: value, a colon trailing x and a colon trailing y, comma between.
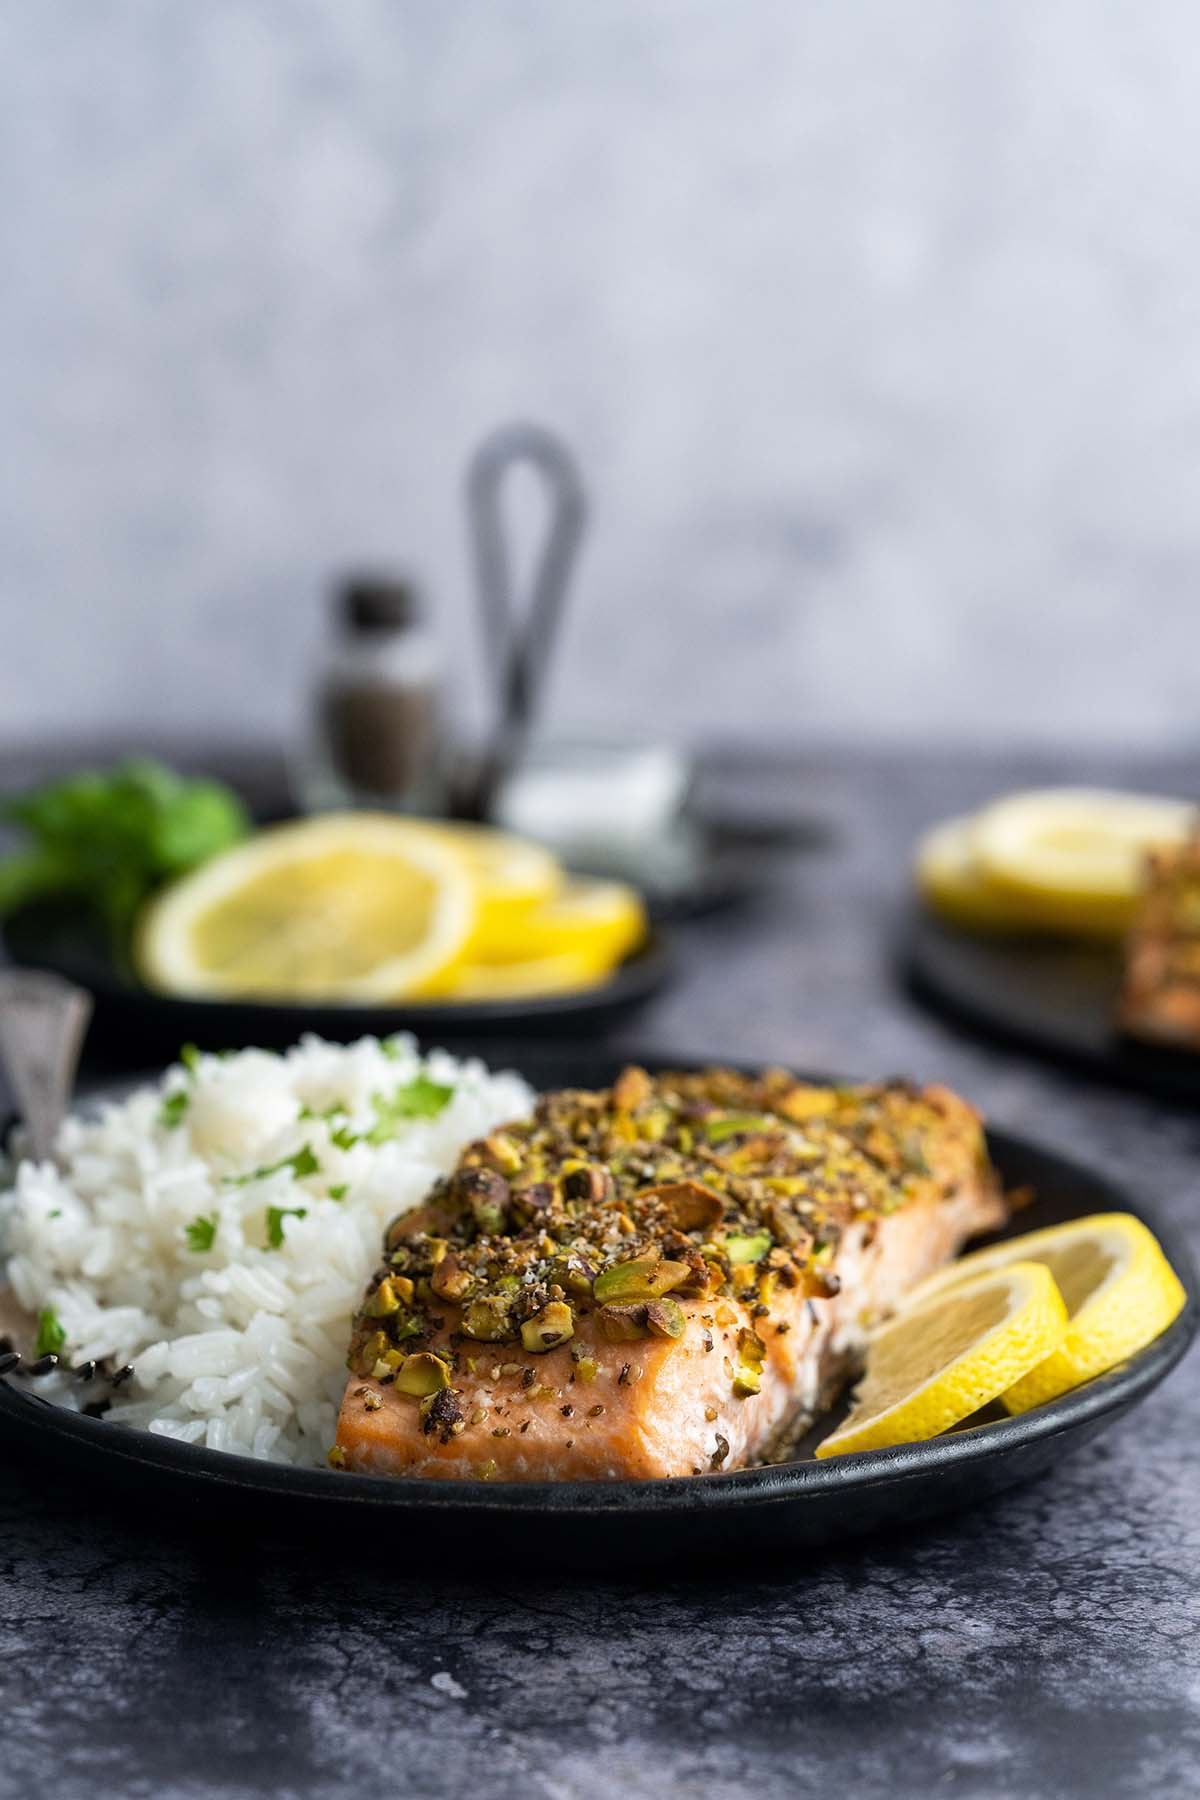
x: 132, y: 1023
x: 1058, y: 999
x: 616, y: 1524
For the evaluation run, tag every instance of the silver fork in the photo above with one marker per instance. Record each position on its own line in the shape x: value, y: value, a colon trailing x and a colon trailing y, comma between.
x: 42, y: 1024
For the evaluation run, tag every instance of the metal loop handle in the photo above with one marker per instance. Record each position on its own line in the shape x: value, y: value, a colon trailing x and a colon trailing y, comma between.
x: 520, y: 653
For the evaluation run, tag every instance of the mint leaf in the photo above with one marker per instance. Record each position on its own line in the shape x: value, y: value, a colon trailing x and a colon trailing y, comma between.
x: 173, y: 1108
x: 50, y: 1335
x: 301, y: 1162
x: 275, y: 1217
x: 201, y: 1234
x: 419, y: 1098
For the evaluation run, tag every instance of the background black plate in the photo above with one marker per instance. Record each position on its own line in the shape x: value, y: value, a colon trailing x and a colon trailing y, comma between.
x: 617, y: 1524
x: 133, y: 1025
x: 1057, y: 999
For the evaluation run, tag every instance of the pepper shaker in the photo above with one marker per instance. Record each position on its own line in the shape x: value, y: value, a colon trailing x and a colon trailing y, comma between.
x: 376, y: 730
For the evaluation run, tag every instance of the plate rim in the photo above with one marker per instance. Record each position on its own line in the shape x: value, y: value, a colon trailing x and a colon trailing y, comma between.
x: 643, y: 971
x: 233, y: 1474
x: 1158, y: 1069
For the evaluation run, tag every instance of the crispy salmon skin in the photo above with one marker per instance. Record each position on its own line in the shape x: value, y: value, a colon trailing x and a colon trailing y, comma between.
x: 655, y: 1279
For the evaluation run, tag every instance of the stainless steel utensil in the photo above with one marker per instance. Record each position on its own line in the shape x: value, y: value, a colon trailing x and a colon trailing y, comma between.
x: 42, y: 1024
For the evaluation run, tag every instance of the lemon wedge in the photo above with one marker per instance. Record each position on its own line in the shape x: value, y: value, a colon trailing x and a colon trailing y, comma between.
x: 935, y: 1364
x: 1119, y: 1288
x: 1075, y: 855
x: 348, y: 907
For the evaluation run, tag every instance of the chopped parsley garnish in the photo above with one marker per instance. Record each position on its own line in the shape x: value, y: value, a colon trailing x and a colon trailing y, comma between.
x: 339, y: 1190
x: 301, y: 1162
x: 173, y: 1108
x: 50, y: 1335
x: 201, y: 1234
x: 189, y: 1056
x: 275, y: 1217
x: 419, y: 1098
x: 391, y: 1047
x: 330, y: 1112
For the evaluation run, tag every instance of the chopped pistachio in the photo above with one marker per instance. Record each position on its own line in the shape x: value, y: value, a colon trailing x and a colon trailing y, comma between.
x: 488, y: 1320
x: 502, y: 1151
x: 440, y: 1413
x: 589, y: 1182
x: 548, y: 1328
x: 422, y: 1373
x: 620, y: 1323
x: 665, y: 1318
x: 690, y: 1205
x: 740, y: 1125
x: 384, y: 1300
x: 631, y: 1089
x: 747, y: 1246
x: 751, y: 1353
x: 653, y: 1125
x: 642, y: 1278
x: 450, y: 1281
x: 808, y: 1102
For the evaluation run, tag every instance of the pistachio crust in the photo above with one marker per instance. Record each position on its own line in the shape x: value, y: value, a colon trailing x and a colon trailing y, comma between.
x: 623, y: 1202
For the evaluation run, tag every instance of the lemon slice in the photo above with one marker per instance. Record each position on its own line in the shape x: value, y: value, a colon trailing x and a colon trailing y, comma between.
x: 349, y: 906
x: 600, y: 919
x: 934, y: 1365
x: 1077, y: 854
x: 950, y: 878
x: 568, y: 972
x: 513, y: 877
x: 1119, y: 1288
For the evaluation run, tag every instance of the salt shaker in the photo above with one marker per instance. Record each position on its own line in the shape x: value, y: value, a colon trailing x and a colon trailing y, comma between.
x: 376, y: 726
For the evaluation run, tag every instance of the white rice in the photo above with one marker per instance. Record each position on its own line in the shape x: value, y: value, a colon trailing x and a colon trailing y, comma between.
x: 240, y: 1346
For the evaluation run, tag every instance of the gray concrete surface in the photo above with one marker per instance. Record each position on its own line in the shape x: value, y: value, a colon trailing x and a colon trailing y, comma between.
x: 1043, y: 1647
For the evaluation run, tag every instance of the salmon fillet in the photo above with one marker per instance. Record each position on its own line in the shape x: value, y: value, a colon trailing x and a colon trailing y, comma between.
x: 655, y: 1279
x: 1160, y: 997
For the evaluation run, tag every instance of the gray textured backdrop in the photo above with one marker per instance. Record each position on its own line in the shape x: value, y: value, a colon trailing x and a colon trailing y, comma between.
x: 876, y: 326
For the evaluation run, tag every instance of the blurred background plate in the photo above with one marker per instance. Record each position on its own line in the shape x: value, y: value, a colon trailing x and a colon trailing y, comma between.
x: 1055, y: 998
x: 133, y: 1025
